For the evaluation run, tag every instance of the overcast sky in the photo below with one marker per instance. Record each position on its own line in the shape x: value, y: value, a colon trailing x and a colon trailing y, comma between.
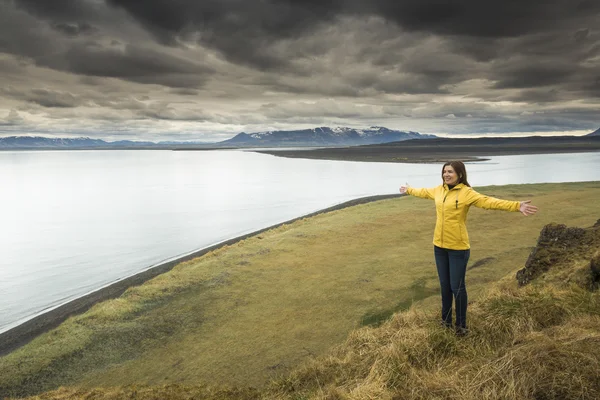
x: 206, y: 70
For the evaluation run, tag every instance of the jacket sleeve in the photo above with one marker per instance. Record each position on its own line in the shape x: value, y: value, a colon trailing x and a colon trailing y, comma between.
x: 423, y: 193
x: 491, y: 203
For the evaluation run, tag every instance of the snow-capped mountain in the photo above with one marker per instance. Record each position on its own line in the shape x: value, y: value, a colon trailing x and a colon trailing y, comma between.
x: 323, y: 136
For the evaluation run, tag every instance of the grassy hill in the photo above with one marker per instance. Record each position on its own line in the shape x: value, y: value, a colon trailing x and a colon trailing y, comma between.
x: 303, y: 311
x: 541, y: 341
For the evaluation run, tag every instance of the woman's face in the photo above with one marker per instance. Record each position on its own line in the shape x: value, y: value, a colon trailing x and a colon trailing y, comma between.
x: 449, y: 175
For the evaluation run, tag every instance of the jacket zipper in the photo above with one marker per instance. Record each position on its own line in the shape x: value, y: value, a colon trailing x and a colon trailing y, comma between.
x: 443, y: 217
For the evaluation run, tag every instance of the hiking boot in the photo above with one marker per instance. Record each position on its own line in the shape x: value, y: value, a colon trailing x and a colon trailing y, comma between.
x: 461, y: 331
x: 444, y: 324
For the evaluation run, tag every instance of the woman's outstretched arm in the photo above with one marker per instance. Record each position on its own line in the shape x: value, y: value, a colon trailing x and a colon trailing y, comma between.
x: 423, y: 193
x: 491, y: 203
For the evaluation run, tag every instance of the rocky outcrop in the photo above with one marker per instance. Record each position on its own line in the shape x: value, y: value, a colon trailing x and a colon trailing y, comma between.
x: 595, y: 267
x: 559, y: 245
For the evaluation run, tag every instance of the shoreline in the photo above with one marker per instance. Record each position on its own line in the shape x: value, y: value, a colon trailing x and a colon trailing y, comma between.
x: 22, y: 334
x: 339, y: 154
x: 443, y: 149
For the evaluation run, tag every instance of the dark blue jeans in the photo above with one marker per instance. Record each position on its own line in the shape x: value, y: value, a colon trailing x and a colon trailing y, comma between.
x: 452, y: 268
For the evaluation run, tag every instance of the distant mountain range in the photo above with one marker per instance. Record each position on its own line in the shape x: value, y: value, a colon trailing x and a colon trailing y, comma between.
x: 36, y: 142
x: 323, y: 136
x: 595, y: 133
x: 317, y: 137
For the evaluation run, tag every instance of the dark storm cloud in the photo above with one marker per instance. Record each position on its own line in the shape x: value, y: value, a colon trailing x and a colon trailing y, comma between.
x: 243, y: 31
x: 136, y: 64
x: 74, y: 29
x: 231, y: 26
x: 480, y: 49
x: 534, y: 96
x: 423, y: 83
x: 22, y: 35
x: 541, y: 32
x: 484, y: 18
x: 48, y: 98
x: 439, y: 61
x: 560, y: 65
x: 247, y: 31
x: 43, y: 97
x: 185, y: 91
x: 528, y: 76
x: 49, y: 44
x: 250, y: 18
x: 59, y: 10
x: 283, y: 18
x: 581, y: 34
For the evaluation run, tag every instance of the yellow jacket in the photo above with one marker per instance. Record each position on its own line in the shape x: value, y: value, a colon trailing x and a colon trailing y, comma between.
x: 452, y: 207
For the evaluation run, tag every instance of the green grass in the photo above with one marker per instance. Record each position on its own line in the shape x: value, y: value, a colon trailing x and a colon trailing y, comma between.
x: 418, y: 291
x: 250, y: 312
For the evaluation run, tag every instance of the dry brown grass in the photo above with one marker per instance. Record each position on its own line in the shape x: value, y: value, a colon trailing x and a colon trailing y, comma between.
x: 531, y: 343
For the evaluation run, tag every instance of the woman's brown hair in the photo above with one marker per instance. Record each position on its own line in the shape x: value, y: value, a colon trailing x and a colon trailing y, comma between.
x: 460, y: 169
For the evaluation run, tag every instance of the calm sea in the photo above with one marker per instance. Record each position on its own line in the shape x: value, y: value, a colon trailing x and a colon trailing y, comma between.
x: 74, y: 221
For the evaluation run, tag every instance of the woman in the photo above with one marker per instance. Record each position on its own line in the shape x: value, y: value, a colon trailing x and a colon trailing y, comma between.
x: 450, y: 239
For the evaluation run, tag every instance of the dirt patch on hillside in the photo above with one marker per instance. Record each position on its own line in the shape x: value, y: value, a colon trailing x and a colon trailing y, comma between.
x: 559, y: 247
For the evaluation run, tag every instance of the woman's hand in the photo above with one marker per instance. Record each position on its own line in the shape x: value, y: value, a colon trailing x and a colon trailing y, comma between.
x: 404, y: 188
x: 527, y: 209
